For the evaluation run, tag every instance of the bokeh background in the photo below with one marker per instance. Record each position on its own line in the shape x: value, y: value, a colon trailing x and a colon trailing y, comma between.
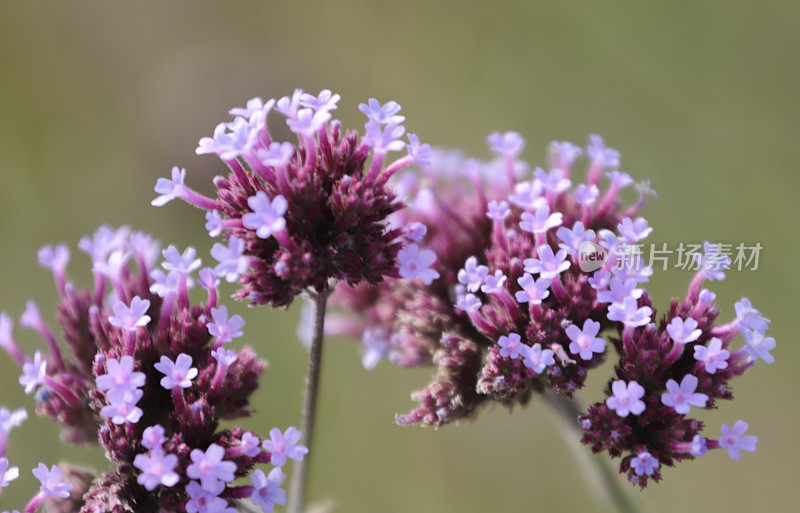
x: 98, y: 99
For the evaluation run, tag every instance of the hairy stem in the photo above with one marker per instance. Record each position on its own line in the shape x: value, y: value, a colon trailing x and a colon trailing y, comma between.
x: 598, y: 473
x: 297, y: 490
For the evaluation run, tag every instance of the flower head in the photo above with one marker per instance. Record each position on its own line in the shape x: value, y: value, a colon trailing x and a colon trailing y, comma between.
x: 416, y: 263
x: 209, y: 466
x: 284, y: 445
x: 548, y: 265
x: 541, y: 221
x: 267, y: 216
x: 169, y: 189
x: 644, y: 464
x: 629, y: 313
x: 683, y: 396
x: 538, y: 359
x: 120, y: 380
x: 52, y: 481
x: 714, y: 358
x: 130, y: 318
x: 472, y: 275
x: 383, y: 114
x: 223, y: 327
x: 157, y: 468
x: 627, y: 398
x: 266, y: 489
x: 735, y: 440
x: 178, y: 373
x: 585, y: 341
x: 683, y: 331
x: 533, y: 291
x: 511, y: 346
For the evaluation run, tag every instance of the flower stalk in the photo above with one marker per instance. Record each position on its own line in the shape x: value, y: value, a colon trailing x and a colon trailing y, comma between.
x: 297, y: 490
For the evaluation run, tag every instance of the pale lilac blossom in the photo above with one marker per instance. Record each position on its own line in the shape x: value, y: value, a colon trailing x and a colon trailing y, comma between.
x: 683, y: 331
x: 416, y: 263
x: 415, y: 231
x: 586, y: 195
x: 682, y: 397
x: 209, y: 467
x: 231, y: 258
x: 585, y: 342
x: 618, y: 290
x: 508, y: 144
x: 627, y: 398
x: 498, y: 211
x: 325, y: 101
x: 469, y: 303
x: 629, y: 313
x: 634, y: 230
x: 266, y: 217
x: 494, y: 283
x: 735, y: 440
x: 758, y: 346
x: 383, y: 139
x: 308, y: 122
x: 644, y: 464
x: 533, y: 291
x: 528, y: 195
x: 52, y: 481
x: 572, y: 239
x: 538, y: 359
x: 421, y: 154
x: 223, y: 327
x: 511, y: 346
x: 555, y: 181
x: 284, y: 445
x: 548, y: 265
x: 266, y: 489
x: 383, y: 114
x: 7, y: 473
x: 153, y: 437
x: 472, y: 275
x: 277, y: 155
x: 541, y: 221
x: 130, y: 318
x: 713, y: 356
x: 156, y: 468
x: 178, y: 373
x: 120, y: 380
x: 33, y: 373
x: 169, y: 189
x: 224, y: 357
x: 184, y: 263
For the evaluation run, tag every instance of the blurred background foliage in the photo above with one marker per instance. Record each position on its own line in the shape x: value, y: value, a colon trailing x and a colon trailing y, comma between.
x: 98, y: 99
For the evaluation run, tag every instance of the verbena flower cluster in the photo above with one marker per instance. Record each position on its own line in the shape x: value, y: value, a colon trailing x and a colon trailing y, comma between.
x: 301, y: 216
x: 150, y: 376
x: 492, y: 293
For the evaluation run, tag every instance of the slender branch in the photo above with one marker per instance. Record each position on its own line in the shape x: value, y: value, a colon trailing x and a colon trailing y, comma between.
x: 297, y: 491
x: 597, y: 471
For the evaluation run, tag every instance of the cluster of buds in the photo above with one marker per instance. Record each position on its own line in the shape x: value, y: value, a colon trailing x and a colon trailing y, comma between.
x: 149, y: 375
x: 302, y: 216
x: 495, y: 291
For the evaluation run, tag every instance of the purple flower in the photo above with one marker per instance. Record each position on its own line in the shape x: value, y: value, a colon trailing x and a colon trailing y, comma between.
x: 735, y: 440
x: 563, y: 154
x: 699, y: 446
x: 415, y: 231
x: 421, y: 154
x: 498, y: 211
x: 494, y: 283
x: 102, y: 242
x: 284, y: 445
x: 267, y: 216
x: 469, y: 303
x: 124, y: 411
x: 644, y: 464
x: 165, y: 284
x: 214, y: 223
x: 600, y: 280
x: 619, y: 179
x: 706, y: 297
x: 713, y: 356
x: 600, y: 155
x: 508, y: 145
x: 683, y: 396
x: 586, y: 195
x: 232, y: 261
x: 627, y: 398
x: 629, y: 313
x: 7, y: 473
x: 416, y: 263
x: 555, y: 181
x: 153, y: 437
x: 712, y: 262
x: 217, y: 143
x: 33, y: 373
x: 288, y: 106
x: 538, y: 359
x: 308, y: 122
x: 226, y: 329
x: 585, y: 342
x: 179, y: 373
x: 266, y: 489
x: 225, y: 357
x: 383, y: 114
x: 277, y: 155
x: 250, y: 445
x: 54, y: 258
x: 541, y: 221
x: 253, y: 106
x: 749, y: 317
x: 157, y: 468
x: 377, y: 342
x: 472, y: 275
x: 572, y: 239
x: 511, y: 346
x: 209, y: 467
x: 112, y: 267
x: 383, y: 139
x: 183, y: 263
x: 683, y: 332
x: 548, y: 265
x: 207, y: 279
x: 325, y: 101
x: 130, y: 318
x: 634, y: 231
x: 528, y: 196
x: 239, y: 141
x: 206, y: 499
x: 11, y: 419
x: 758, y: 346
x: 120, y: 380
x: 170, y: 189
x: 533, y: 291
x: 619, y: 290
x: 52, y: 481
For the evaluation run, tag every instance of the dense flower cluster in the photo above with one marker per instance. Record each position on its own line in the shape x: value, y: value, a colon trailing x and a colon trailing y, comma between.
x: 301, y: 216
x: 499, y: 291
x: 149, y: 376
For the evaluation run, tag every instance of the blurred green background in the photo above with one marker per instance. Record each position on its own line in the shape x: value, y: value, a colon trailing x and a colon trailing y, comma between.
x: 98, y: 99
